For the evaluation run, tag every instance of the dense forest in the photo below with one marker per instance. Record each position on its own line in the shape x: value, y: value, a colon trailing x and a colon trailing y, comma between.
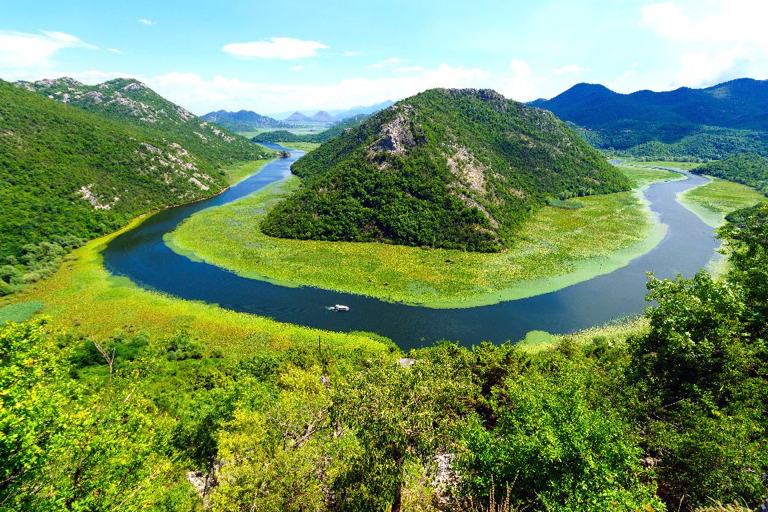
x: 69, y: 174
x: 243, y: 120
x: 445, y: 168
x: 673, y: 418
x: 320, y: 137
x: 684, y: 124
x: 748, y: 169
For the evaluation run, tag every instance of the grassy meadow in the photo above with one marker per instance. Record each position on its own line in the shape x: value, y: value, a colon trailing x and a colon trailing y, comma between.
x: 713, y: 201
x: 557, y: 247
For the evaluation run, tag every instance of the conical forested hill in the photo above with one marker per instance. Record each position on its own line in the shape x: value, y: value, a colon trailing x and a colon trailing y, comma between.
x: 445, y: 168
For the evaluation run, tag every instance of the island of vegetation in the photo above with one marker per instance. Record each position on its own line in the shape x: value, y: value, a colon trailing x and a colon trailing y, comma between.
x: 454, y: 169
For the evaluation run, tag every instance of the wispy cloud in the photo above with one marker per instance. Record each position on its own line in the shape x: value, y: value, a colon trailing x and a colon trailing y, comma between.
x: 285, y: 48
x: 114, y: 50
x: 24, y: 51
x: 570, y: 68
x: 387, y: 62
x: 295, y: 68
x: 145, y: 21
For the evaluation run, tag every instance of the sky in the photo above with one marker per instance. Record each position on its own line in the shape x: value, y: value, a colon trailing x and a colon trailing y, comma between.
x: 278, y: 56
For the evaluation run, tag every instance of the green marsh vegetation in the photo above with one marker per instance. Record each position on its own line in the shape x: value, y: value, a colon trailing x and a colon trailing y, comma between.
x: 716, y: 199
x: 301, y: 146
x: 557, y: 247
x: 670, y: 413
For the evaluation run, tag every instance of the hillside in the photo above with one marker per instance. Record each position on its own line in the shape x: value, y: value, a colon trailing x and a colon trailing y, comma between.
x: 323, y: 117
x: 131, y: 102
x: 717, y: 118
x: 324, y: 136
x: 748, y: 169
x: 67, y: 174
x: 242, y: 121
x: 445, y: 168
x: 297, y: 117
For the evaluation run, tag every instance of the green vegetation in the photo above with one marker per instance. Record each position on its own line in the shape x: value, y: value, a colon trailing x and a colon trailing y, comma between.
x: 452, y: 169
x: 649, y: 164
x: 716, y: 199
x: 709, y: 144
x: 243, y: 120
x: 238, y: 173
x: 669, y: 412
x: 20, y: 312
x: 289, y: 137
x: 751, y: 170
x: 67, y: 175
x: 557, y: 247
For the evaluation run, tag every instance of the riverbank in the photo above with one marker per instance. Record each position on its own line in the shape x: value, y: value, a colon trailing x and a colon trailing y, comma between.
x: 558, y: 247
x: 83, y: 297
x: 713, y: 201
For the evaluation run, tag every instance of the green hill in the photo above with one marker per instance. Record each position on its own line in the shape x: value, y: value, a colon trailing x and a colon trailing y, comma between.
x: 324, y: 136
x: 67, y: 174
x: 445, y: 168
x: 709, y: 123
x: 243, y: 120
x: 748, y: 169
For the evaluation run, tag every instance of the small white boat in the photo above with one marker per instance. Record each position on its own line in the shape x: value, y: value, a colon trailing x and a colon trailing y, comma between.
x: 340, y: 307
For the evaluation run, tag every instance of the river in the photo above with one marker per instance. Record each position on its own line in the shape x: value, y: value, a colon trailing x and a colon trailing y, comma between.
x: 141, y: 255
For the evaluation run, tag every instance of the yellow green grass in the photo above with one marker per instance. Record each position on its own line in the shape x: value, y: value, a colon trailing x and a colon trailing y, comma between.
x: 557, y: 247
x: 83, y: 296
x: 685, y: 166
x: 716, y: 199
x: 301, y: 146
x: 239, y: 172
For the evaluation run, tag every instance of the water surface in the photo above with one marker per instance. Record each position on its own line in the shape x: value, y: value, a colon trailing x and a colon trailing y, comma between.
x: 141, y: 255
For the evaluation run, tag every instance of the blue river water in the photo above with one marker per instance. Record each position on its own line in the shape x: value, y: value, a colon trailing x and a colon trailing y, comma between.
x: 141, y: 255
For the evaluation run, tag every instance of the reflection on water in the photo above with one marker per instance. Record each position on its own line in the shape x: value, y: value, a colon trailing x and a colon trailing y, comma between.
x: 141, y: 255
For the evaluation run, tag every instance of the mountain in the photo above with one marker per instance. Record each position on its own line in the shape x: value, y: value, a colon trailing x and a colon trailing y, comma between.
x: 323, y: 117
x: 445, y: 168
x: 131, y: 102
x: 297, y: 117
x: 243, y: 120
x: 718, y: 116
x: 356, y: 111
x: 748, y: 169
x: 324, y: 136
x: 69, y: 173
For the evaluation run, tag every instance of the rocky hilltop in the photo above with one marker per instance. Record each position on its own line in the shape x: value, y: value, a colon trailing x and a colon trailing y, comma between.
x: 445, y: 168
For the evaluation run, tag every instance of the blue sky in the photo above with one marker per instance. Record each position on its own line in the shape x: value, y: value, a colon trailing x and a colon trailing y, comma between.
x: 289, y: 55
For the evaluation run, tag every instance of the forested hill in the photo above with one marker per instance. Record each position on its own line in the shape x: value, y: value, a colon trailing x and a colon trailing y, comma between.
x: 751, y: 170
x: 718, y: 121
x: 243, y: 120
x: 445, y: 168
x: 131, y: 102
x: 324, y: 136
x: 67, y: 174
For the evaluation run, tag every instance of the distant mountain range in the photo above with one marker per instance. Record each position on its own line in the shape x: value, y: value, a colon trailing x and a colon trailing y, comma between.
x: 340, y: 114
x: 324, y: 136
x: 319, y: 117
x: 243, y: 120
x: 713, y: 122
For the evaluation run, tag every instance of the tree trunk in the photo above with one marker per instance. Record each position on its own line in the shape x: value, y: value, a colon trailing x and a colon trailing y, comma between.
x: 397, y: 502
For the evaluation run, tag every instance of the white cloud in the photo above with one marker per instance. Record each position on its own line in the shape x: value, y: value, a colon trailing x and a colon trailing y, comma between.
x: 114, y: 50
x: 295, y: 68
x: 570, y: 68
x: 201, y: 95
x: 285, y: 48
x: 521, y: 84
x: 387, y: 62
x: 21, y: 52
x: 145, y: 21
x: 717, y: 40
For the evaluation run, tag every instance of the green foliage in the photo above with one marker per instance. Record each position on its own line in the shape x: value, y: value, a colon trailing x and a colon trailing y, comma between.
x: 555, y: 444
x: 181, y: 345
x: 747, y: 169
x: 20, y: 312
x: 67, y: 174
x: 457, y: 169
